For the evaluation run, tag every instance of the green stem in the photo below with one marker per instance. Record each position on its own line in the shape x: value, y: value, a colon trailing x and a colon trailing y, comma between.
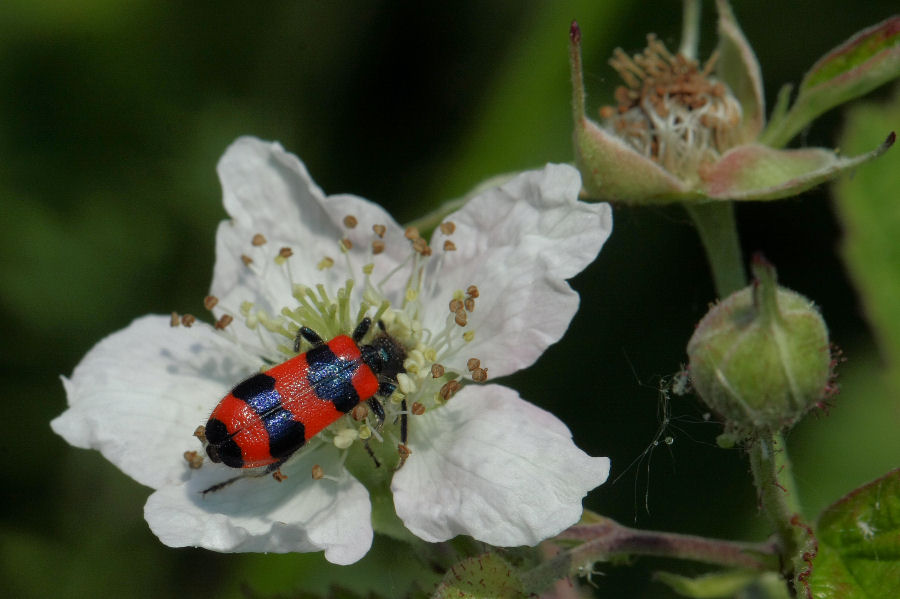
x: 718, y: 231
x: 690, y: 28
x: 605, y: 539
x: 774, y: 480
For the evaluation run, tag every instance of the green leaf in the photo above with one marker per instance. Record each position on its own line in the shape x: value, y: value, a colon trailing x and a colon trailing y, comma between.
x: 865, y: 61
x: 724, y: 585
x: 487, y: 576
x: 868, y: 209
x: 859, y: 544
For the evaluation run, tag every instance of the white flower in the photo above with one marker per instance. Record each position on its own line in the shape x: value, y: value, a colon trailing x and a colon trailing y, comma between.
x: 483, y: 463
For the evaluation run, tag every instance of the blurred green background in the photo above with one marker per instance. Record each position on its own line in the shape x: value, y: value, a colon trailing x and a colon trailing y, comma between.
x: 112, y: 118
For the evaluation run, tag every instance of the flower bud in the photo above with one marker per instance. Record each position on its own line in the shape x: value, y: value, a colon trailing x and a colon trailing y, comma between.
x: 761, y: 357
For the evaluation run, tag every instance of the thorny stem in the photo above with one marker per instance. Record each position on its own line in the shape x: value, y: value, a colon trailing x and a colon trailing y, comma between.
x: 718, y: 231
x: 690, y: 29
x: 605, y: 539
x: 777, y: 491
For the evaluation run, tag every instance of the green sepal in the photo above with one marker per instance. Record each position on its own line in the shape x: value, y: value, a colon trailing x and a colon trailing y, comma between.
x: 865, y: 61
x: 859, y: 544
x: 738, y: 68
x: 758, y: 172
x: 486, y: 576
x: 612, y: 171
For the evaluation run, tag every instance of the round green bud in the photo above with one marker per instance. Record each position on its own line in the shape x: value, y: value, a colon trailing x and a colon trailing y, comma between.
x: 761, y: 357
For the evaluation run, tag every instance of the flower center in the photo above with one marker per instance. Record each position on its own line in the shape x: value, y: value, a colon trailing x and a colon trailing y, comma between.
x: 397, y: 302
x: 672, y: 111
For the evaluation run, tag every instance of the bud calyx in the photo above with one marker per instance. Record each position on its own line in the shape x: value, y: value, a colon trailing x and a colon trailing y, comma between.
x: 761, y: 358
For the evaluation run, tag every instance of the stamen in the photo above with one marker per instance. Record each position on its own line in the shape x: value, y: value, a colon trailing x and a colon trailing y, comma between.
x: 326, y: 262
x: 350, y: 221
x: 187, y: 320
x: 473, y: 364
x: 318, y: 473
x: 672, y: 111
x: 418, y: 408
x: 223, y: 322
x: 258, y: 240
x: 210, y: 301
x: 359, y: 412
x: 247, y: 260
x: 193, y: 459
x: 405, y: 383
x: 479, y: 375
x: 449, y: 246
x: 345, y: 437
x: 449, y: 389
x: 404, y: 452
x: 175, y: 320
x: 447, y: 227
x: 379, y: 230
x: 283, y: 254
x: 200, y: 433
x: 377, y: 247
x: 437, y: 371
x: 420, y: 246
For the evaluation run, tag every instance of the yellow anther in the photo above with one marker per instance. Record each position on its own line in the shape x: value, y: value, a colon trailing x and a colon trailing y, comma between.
x: 326, y: 262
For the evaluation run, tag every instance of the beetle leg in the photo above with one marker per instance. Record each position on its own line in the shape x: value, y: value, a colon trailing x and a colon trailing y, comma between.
x: 386, y: 388
x: 372, y: 454
x: 273, y: 469
x: 308, y: 334
x: 361, y: 329
x: 404, y: 422
x: 221, y: 485
x: 378, y: 409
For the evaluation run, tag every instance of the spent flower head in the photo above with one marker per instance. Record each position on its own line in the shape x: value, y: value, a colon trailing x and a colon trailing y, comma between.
x: 484, y: 297
x: 686, y: 131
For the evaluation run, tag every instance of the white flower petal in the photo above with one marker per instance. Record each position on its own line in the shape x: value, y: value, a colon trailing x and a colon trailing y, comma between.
x: 138, y: 395
x: 493, y: 466
x: 269, y: 191
x: 518, y: 243
x: 261, y: 515
x: 269, y: 188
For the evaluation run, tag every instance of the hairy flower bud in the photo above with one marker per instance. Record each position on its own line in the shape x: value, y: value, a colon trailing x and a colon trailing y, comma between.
x: 761, y: 357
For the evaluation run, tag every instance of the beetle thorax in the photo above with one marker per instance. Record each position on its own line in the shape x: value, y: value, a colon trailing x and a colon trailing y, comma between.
x: 385, y: 356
